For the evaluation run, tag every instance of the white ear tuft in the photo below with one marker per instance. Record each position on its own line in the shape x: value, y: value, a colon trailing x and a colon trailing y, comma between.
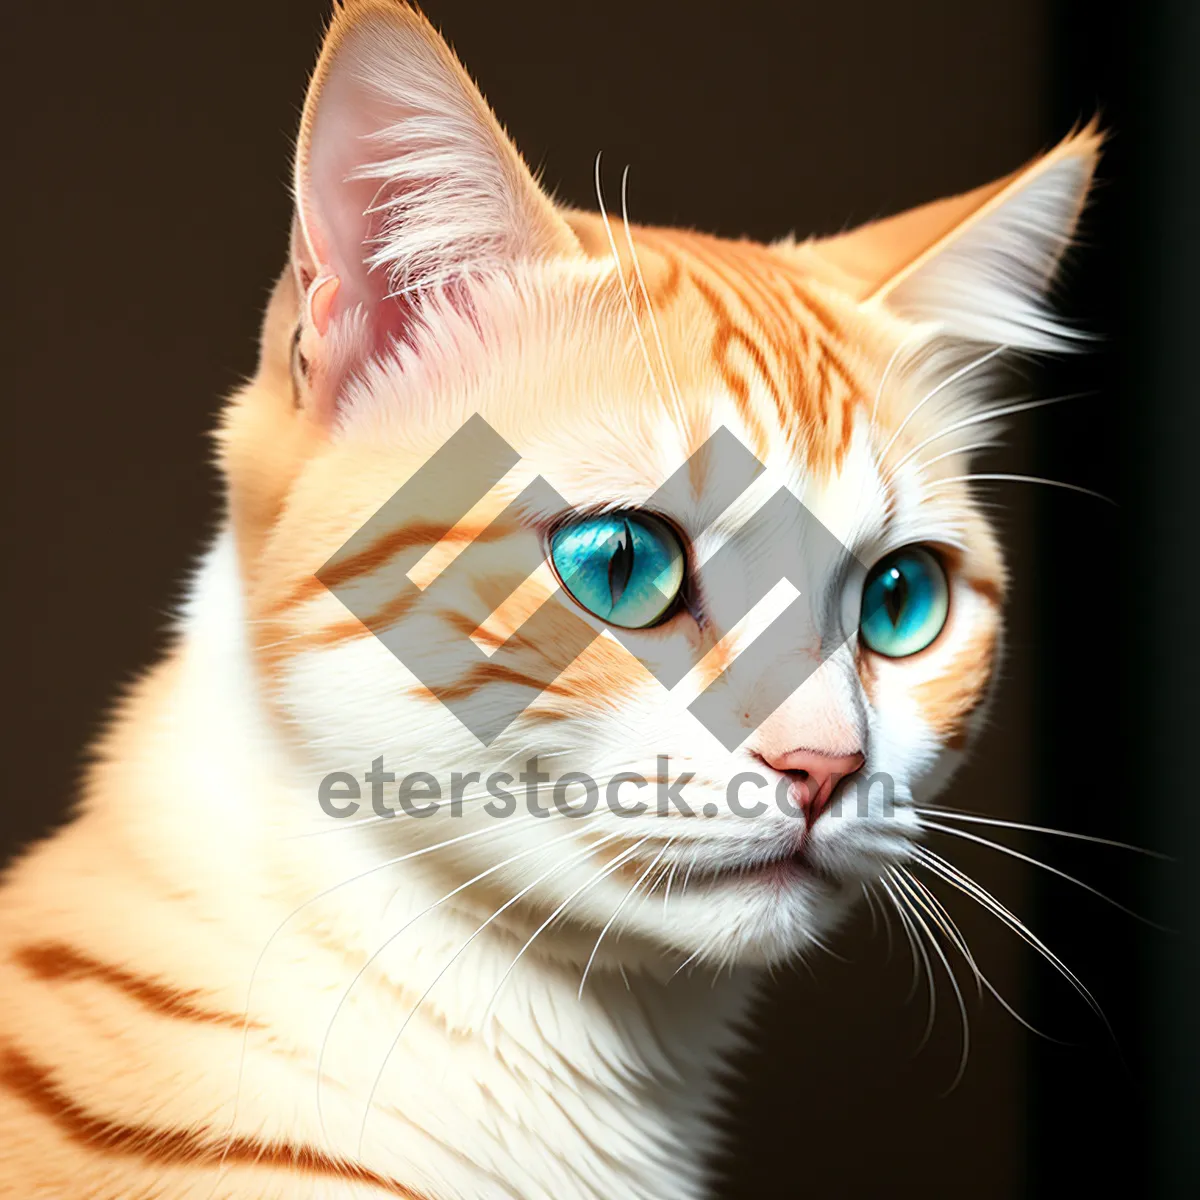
x: 404, y: 179
x: 981, y: 264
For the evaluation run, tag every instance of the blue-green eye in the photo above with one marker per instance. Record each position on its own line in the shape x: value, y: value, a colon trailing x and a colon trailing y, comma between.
x: 905, y: 602
x: 626, y: 568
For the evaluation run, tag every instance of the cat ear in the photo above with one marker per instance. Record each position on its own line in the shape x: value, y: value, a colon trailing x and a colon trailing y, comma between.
x: 404, y: 180
x: 982, y: 263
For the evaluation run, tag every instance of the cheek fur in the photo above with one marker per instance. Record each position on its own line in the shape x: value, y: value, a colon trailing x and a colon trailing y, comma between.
x: 948, y: 702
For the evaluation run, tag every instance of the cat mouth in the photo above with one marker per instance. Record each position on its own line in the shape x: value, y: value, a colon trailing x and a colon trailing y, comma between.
x: 786, y: 869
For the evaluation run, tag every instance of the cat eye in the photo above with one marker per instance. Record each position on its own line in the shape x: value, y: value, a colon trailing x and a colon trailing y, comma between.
x: 905, y: 601
x: 627, y: 568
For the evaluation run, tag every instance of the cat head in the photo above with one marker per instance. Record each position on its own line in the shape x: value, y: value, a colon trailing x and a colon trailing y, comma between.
x: 681, y: 515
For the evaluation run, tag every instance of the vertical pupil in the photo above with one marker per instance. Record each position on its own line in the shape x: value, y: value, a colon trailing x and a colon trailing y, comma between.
x: 896, y: 595
x: 620, y: 566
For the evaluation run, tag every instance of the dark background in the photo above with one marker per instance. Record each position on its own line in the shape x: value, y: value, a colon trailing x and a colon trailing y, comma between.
x: 146, y: 178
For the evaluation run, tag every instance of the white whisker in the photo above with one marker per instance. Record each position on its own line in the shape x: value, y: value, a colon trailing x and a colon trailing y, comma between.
x: 952, y: 378
x: 446, y: 967
x: 957, y: 814
x: 668, y: 370
x: 866, y: 891
x: 959, y: 879
x: 997, y: 477
x: 962, y: 1007
x: 961, y: 941
x: 392, y: 938
x: 621, y: 858
x: 918, y: 947
x: 670, y: 880
x: 942, y: 919
x: 612, y: 242
x: 617, y: 913
x: 229, y: 1135
x: 1036, y: 862
x: 887, y: 371
x: 980, y: 418
x: 972, y: 448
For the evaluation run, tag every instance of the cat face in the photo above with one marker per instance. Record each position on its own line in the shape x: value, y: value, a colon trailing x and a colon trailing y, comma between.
x: 567, y: 647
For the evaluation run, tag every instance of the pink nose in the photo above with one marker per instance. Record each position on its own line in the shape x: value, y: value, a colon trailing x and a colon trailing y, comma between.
x: 815, y: 774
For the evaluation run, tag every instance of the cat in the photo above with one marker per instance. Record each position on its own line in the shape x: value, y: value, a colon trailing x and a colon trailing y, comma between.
x: 241, y: 971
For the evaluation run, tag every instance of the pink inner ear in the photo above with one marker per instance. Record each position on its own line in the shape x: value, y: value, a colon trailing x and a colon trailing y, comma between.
x: 404, y: 184
x: 344, y: 217
x: 321, y: 296
x: 337, y: 209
